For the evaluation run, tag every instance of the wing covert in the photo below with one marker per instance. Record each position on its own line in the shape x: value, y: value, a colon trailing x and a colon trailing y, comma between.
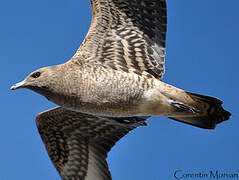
x: 78, y: 143
x: 127, y: 35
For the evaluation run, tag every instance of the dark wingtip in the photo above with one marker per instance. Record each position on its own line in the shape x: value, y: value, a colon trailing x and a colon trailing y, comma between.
x: 215, y: 113
x: 206, y: 98
x: 219, y: 114
x: 223, y: 115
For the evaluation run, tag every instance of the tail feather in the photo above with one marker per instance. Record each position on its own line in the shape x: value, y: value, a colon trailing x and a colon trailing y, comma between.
x: 209, y: 116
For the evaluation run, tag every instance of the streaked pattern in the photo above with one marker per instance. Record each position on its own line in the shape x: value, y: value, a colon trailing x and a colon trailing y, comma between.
x: 126, y: 35
x: 78, y: 143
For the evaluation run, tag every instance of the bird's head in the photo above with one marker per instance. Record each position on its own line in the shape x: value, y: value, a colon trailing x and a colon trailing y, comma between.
x: 41, y: 81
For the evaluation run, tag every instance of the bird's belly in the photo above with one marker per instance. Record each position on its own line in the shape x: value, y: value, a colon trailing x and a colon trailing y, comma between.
x: 104, y: 109
x: 109, y: 93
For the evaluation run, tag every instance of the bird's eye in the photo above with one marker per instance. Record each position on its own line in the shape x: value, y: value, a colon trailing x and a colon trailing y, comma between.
x: 36, y: 75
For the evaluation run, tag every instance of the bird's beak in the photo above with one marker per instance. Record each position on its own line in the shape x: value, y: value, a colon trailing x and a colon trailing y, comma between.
x: 18, y: 85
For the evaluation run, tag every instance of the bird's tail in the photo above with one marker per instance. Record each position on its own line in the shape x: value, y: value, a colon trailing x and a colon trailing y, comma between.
x: 203, y: 111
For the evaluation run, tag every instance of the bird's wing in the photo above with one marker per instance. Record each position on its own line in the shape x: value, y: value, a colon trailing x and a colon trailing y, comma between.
x: 126, y: 35
x: 78, y: 143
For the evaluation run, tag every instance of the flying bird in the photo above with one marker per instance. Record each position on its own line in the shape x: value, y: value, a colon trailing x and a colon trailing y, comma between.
x: 116, y: 73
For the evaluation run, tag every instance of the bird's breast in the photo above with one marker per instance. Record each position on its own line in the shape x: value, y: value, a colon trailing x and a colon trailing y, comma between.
x: 105, y: 92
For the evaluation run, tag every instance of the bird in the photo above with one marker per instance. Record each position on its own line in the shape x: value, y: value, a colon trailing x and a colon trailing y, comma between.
x: 116, y: 73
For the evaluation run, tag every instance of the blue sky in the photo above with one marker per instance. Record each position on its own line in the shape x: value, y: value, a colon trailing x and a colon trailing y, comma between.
x: 202, y: 57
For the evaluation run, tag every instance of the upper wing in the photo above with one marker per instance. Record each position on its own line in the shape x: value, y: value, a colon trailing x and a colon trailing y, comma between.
x: 127, y: 35
x: 78, y: 143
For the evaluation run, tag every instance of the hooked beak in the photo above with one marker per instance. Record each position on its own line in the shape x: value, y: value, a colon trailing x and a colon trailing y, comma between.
x: 18, y: 85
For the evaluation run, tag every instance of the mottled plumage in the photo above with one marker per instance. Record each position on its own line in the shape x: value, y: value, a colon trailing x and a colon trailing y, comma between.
x: 127, y: 36
x: 113, y: 77
x: 78, y: 143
